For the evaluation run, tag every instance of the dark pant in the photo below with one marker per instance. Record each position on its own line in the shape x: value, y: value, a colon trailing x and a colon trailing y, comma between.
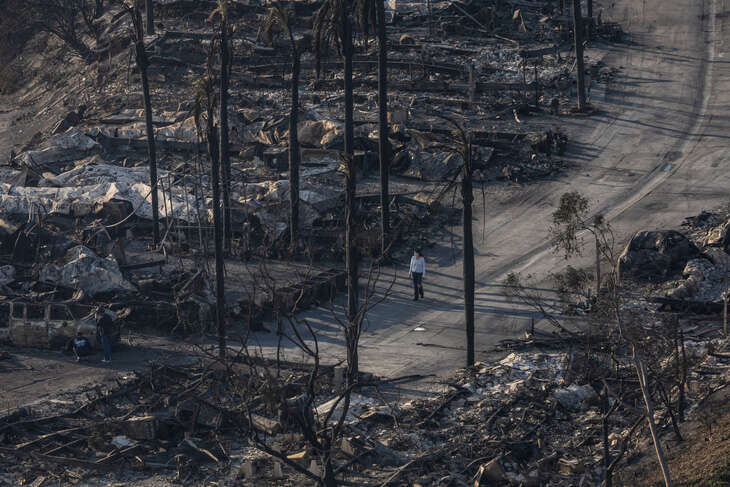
x: 106, y: 341
x: 82, y: 351
x: 417, y: 284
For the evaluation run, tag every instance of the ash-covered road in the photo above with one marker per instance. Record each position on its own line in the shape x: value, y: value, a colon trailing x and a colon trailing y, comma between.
x: 655, y: 152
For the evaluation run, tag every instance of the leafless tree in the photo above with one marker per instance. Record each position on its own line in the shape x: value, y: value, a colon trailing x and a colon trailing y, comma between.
x: 323, y: 430
x: 570, y: 219
x: 205, y: 108
x: 61, y: 18
x: 333, y: 26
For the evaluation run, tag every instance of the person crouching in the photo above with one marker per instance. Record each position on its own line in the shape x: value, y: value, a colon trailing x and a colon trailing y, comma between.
x: 80, y: 346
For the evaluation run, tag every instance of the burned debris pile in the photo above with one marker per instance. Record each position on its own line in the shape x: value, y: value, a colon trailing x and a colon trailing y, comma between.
x: 166, y: 418
x: 682, y: 271
x: 538, y: 415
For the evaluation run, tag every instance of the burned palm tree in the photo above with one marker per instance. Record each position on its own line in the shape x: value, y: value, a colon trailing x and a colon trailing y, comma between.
x: 221, y: 13
x: 142, y: 64
x: 370, y: 14
x: 463, y: 136
x: 467, y: 197
x: 333, y: 28
x: 281, y: 18
x: 365, y: 13
x: 60, y: 18
x: 580, y: 67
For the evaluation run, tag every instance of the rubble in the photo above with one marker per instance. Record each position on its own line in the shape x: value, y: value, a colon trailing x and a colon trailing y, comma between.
x: 58, y: 150
x: 656, y: 255
x: 718, y: 236
x: 700, y: 287
x: 82, y: 269
x: 321, y: 134
x: 575, y: 397
x: 80, y: 206
x: 510, y: 422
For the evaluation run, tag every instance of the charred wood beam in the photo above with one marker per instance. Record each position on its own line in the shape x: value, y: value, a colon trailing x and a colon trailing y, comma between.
x: 686, y: 306
x: 452, y: 69
x: 426, y: 85
x: 142, y: 265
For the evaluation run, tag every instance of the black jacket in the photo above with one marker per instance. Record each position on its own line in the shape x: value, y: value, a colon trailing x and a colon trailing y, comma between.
x: 105, y: 325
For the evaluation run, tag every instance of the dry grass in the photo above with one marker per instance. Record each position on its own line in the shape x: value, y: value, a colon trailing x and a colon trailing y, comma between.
x: 701, y: 460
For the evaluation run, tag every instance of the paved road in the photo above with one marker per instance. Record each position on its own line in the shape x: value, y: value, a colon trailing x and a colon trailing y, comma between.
x: 654, y: 154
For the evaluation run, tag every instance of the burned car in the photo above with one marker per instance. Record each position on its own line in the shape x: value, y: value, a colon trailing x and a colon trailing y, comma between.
x: 49, y: 325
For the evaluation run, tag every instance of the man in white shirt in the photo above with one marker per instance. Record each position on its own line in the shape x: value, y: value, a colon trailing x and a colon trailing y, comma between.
x: 417, y: 272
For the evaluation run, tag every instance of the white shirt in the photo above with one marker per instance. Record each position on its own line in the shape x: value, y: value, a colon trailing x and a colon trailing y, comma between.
x: 418, y: 264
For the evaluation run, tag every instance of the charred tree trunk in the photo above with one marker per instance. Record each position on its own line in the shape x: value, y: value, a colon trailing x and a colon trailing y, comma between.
x: 467, y: 198
x: 383, y: 143
x: 142, y: 64
x: 598, y: 266
x: 150, y: 17
x: 580, y: 68
x: 605, y: 409
x: 82, y: 50
x: 351, y: 251
x: 294, y: 156
x: 644, y: 385
x: 225, y: 161
x: 329, y: 478
x: 98, y: 8
x: 217, y: 236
